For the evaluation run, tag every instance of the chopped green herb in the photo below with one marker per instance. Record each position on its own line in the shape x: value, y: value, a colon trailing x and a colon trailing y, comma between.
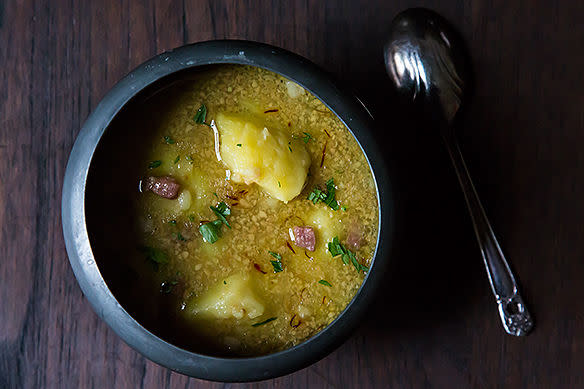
x: 354, y: 261
x: 224, y: 282
x: 277, y: 265
x: 221, y: 211
x: 239, y: 145
x: 154, y: 255
x: 154, y: 164
x: 307, y: 137
x: 335, y: 248
x: 177, y: 159
x: 279, y: 185
x: 180, y: 237
x: 264, y: 322
x: 347, y: 256
x: 215, y: 194
x: 211, y: 231
x: 330, y: 198
x: 173, y: 222
x: 289, y: 148
x: 327, y: 197
x: 169, y: 140
x: 343, y: 208
x: 192, y: 218
x: 201, y: 115
x: 316, y: 195
x: 275, y: 255
x: 325, y: 283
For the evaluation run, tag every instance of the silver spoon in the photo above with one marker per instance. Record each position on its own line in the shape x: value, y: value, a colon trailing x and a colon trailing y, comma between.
x: 426, y: 61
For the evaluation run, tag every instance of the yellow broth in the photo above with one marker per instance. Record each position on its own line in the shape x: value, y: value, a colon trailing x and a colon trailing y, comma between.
x: 127, y: 226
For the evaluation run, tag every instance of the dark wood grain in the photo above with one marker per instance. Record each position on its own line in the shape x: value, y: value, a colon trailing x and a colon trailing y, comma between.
x: 434, y: 325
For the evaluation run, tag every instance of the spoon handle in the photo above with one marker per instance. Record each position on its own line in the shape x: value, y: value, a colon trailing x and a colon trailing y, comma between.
x: 514, y: 315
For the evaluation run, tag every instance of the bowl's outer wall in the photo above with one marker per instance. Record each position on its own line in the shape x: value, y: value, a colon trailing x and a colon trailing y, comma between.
x: 346, y: 106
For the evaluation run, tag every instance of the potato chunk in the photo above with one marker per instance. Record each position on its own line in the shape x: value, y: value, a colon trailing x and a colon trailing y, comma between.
x: 327, y: 225
x: 266, y: 155
x: 229, y: 298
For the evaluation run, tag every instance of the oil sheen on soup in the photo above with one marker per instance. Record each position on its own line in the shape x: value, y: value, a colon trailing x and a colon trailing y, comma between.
x: 253, y: 208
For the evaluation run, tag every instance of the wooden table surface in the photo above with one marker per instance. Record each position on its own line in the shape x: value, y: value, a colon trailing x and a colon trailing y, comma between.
x: 434, y: 324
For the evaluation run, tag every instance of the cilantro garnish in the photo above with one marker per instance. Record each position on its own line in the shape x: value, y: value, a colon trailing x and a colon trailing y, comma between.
x: 221, y: 211
x: 347, y: 256
x: 154, y: 164
x: 211, y: 231
x: 275, y: 255
x: 201, y: 115
x: 277, y: 264
x: 327, y: 197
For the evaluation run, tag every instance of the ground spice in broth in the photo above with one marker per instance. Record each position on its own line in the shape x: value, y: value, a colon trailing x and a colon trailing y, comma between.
x: 253, y: 290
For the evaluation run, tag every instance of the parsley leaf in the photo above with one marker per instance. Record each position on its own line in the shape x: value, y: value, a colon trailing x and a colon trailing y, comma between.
x: 347, y: 256
x: 173, y: 222
x: 238, y: 145
x: 316, y: 195
x: 154, y: 164
x: 275, y: 255
x: 325, y: 283
x: 335, y: 248
x: 327, y: 197
x: 330, y: 197
x: 177, y: 159
x: 169, y: 140
x: 277, y: 266
x: 201, y: 115
x: 264, y: 322
x: 211, y: 231
x: 307, y: 137
x: 221, y: 211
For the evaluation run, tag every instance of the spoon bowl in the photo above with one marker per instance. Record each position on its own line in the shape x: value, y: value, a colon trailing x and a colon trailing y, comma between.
x: 426, y: 62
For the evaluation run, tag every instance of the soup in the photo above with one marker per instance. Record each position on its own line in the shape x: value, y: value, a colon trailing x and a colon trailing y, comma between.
x: 232, y: 213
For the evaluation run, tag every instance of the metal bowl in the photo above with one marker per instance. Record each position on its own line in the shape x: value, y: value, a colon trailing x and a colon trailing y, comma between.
x: 158, y: 72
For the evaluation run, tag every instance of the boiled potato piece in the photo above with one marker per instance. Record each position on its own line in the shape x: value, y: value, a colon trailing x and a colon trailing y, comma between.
x: 326, y: 224
x: 266, y: 155
x: 230, y: 298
